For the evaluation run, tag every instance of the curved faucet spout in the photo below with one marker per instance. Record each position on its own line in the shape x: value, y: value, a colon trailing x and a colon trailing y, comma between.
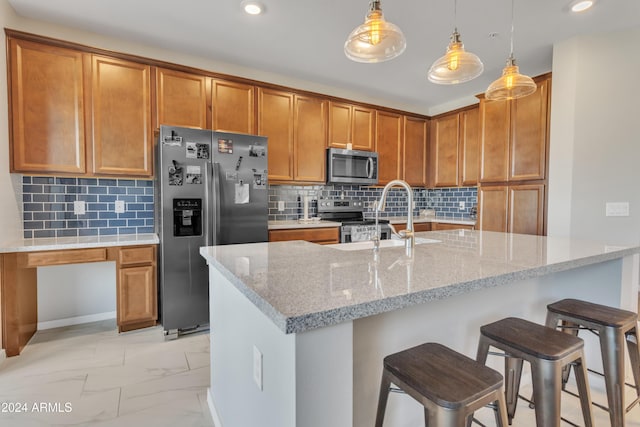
x: 408, y: 232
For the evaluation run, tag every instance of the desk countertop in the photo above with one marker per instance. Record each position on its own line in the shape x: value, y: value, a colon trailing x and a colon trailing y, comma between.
x: 62, y: 243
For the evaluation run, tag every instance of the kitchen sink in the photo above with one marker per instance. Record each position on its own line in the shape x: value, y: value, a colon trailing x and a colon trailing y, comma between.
x: 390, y: 243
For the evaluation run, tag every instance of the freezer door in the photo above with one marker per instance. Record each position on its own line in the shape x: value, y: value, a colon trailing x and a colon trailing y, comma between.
x: 240, y: 188
x: 184, y: 209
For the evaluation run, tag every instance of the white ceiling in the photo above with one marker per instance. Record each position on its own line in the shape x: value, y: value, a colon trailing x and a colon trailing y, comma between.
x: 303, y: 39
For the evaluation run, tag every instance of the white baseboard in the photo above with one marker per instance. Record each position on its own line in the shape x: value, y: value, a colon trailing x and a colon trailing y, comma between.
x: 212, y: 409
x: 76, y: 320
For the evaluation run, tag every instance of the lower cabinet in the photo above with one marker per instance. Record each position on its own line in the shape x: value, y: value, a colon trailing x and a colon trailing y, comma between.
x: 417, y: 226
x: 512, y: 208
x: 137, y: 290
x: 441, y: 226
x: 322, y: 236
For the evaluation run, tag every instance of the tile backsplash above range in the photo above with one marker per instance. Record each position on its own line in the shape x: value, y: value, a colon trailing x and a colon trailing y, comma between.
x: 445, y: 201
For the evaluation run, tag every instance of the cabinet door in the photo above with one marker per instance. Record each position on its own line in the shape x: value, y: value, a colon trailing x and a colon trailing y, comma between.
x: 389, y: 141
x: 181, y: 98
x: 46, y: 94
x: 526, y: 209
x: 492, y: 208
x: 121, y: 107
x: 469, y: 146
x: 415, y: 151
x: 339, y: 125
x: 310, y: 139
x: 444, y: 150
x: 233, y: 107
x: 137, y: 294
x: 275, y: 121
x: 363, y: 128
x: 529, y: 135
x: 494, y: 143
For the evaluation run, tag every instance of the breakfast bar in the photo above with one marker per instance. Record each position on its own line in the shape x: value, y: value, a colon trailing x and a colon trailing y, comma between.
x: 299, y: 330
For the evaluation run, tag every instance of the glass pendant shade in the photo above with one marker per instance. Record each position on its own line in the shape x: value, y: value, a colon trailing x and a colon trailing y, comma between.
x: 376, y: 40
x: 511, y: 85
x: 456, y: 66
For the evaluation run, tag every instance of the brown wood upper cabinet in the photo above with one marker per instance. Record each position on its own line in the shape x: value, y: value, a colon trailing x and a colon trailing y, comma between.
x: 47, y: 96
x: 389, y: 145
x: 77, y: 113
x: 454, y: 149
x: 121, y: 107
x: 415, y: 151
x: 233, y: 106
x: 514, y: 137
x: 295, y: 126
x: 181, y: 99
x: 351, y: 124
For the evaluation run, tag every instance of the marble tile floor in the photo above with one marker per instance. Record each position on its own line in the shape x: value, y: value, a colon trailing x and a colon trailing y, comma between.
x: 89, y: 375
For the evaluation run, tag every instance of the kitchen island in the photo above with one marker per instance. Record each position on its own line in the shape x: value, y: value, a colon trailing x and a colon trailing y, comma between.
x: 299, y: 331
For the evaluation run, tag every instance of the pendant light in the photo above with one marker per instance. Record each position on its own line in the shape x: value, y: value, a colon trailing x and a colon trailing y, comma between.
x: 376, y: 40
x: 457, y: 65
x: 512, y: 84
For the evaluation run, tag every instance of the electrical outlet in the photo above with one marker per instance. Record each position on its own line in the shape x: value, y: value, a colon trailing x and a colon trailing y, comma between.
x: 257, y: 367
x: 617, y: 209
x: 280, y: 205
x: 461, y: 206
x: 119, y: 206
x: 79, y: 207
x: 413, y: 204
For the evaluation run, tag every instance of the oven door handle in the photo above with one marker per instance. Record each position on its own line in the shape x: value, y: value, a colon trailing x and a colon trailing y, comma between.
x: 369, y: 168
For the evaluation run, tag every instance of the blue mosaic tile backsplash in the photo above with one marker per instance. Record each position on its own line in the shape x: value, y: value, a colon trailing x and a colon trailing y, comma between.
x: 444, y: 201
x: 48, y: 206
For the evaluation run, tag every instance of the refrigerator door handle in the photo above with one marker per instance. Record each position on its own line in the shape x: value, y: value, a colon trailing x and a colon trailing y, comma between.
x: 216, y: 203
x: 208, y: 205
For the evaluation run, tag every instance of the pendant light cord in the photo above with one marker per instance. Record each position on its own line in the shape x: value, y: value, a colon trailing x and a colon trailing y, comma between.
x: 512, y: 1
x: 455, y: 15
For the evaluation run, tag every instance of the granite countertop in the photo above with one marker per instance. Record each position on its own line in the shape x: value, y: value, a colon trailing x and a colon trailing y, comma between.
x: 292, y: 224
x: 61, y: 243
x: 302, y: 286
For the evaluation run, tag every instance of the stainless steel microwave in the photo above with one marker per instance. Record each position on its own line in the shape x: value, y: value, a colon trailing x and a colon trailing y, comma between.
x: 351, y: 167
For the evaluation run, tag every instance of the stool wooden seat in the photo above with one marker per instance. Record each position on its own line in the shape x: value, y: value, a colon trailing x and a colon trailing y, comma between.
x: 548, y: 351
x: 448, y: 384
x: 613, y: 326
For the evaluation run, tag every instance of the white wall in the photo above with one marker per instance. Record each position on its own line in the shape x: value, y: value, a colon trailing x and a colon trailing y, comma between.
x: 595, y: 144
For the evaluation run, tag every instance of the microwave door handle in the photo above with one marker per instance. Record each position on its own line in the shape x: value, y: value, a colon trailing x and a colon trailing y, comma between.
x: 369, y: 168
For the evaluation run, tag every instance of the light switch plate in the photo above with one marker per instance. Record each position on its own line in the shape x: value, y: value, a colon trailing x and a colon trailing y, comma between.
x: 119, y: 206
x: 79, y: 207
x: 280, y: 205
x: 617, y: 209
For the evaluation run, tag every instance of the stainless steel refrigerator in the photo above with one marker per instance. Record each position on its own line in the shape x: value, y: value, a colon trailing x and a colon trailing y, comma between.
x: 211, y: 189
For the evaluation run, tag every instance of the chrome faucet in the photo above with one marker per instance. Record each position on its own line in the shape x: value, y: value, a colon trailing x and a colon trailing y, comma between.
x: 408, y: 233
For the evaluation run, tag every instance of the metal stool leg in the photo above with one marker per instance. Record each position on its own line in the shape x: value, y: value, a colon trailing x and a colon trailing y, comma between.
x: 634, y: 357
x: 547, y: 387
x: 583, y: 390
x: 611, y: 346
x: 385, y: 383
x: 512, y: 375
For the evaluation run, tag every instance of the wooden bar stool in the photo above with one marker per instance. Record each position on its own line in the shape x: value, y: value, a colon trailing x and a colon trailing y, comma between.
x: 548, y: 351
x: 448, y: 384
x: 613, y: 326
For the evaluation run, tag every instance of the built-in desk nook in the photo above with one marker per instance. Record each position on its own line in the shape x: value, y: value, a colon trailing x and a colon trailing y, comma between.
x: 136, y: 282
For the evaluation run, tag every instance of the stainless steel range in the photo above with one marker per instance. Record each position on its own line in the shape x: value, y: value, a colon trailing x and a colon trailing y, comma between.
x: 350, y: 212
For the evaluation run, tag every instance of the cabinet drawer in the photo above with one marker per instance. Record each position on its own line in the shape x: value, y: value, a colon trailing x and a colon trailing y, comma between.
x: 441, y: 226
x: 75, y: 256
x: 316, y: 235
x: 137, y: 255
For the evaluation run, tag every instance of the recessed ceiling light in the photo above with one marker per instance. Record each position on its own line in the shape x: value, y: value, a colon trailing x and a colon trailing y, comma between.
x: 252, y: 7
x: 581, y: 5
